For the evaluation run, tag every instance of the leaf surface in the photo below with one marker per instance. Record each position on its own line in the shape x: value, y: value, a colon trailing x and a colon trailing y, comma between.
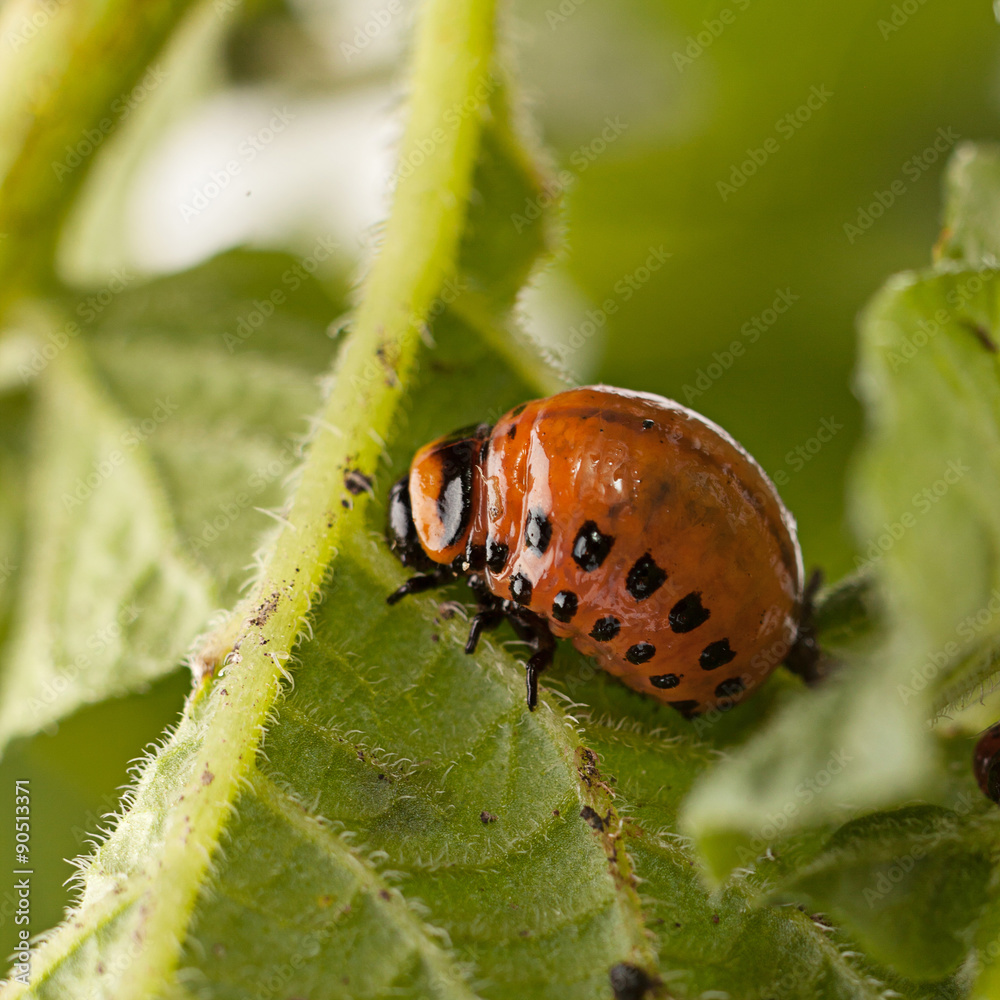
x: 158, y: 433
x: 972, y: 205
x: 929, y: 470
x: 909, y: 883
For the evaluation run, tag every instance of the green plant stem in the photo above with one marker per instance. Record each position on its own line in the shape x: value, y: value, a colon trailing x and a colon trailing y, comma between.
x: 453, y: 60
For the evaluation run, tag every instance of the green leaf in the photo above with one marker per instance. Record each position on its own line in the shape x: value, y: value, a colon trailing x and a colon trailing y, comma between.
x: 908, y: 883
x: 709, y: 941
x: 158, y: 434
x: 985, y: 965
x: 14, y: 409
x: 929, y: 471
x: 848, y: 612
x: 99, y: 555
x: 236, y: 346
x: 856, y: 747
x: 972, y: 205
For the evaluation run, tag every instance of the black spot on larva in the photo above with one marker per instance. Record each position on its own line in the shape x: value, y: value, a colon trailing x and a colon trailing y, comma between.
x: 518, y: 410
x: 688, y: 709
x: 629, y: 982
x: 605, y: 629
x: 520, y: 588
x: 475, y: 555
x: 640, y: 652
x: 564, y: 606
x: 512, y: 431
x: 454, y: 499
x: 716, y: 654
x: 496, y: 554
x: 688, y: 614
x: 665, y: 681
x: 730, y: 687
x: 590, y: 548
x: 644, y: 578
x: 538, y: 531
x: 647, y: 424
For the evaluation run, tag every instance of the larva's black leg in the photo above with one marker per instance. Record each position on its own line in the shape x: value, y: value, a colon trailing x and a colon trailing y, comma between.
x: 420, y: 583
x: 481, y: 621
x: 532, y: 669
x: 531, y: 685
x: 488, y: 614
x: 805, y: 657
x: 535, y: 630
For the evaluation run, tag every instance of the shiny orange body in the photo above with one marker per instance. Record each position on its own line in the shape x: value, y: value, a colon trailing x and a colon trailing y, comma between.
x: 681, y: 564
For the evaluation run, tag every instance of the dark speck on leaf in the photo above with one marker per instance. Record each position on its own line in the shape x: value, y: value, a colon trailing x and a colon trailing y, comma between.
x: 356, y: 482
x: 629, y: 982
x: 593, y: 818
x: 487, y: 817
x: 982, y: 335
x: 265, y: 610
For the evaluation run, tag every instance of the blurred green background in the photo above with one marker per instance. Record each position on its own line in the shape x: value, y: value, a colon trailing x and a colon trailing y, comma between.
x: 649, y: 106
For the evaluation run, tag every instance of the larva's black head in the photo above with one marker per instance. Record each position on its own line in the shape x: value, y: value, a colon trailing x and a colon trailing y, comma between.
x: 402, y: 531
x: 431, y: 513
